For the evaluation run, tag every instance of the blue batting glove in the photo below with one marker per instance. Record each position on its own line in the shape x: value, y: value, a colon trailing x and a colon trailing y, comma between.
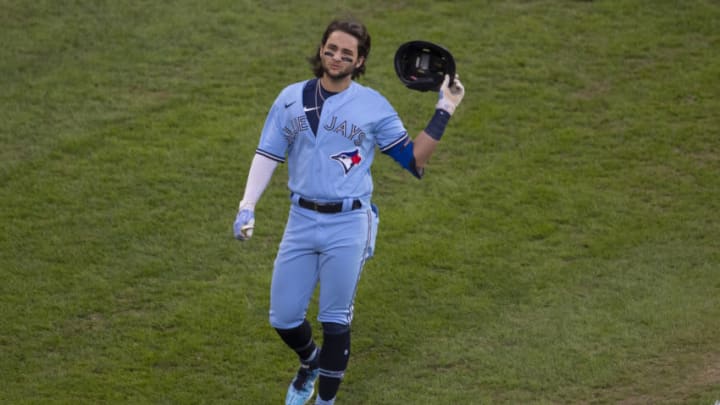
x: 244, y: 224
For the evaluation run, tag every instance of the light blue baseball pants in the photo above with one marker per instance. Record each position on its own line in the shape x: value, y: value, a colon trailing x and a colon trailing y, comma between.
x: 329, y: 249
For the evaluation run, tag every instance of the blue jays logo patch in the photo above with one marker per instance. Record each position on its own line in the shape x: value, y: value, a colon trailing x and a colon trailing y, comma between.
x: 348, y: 160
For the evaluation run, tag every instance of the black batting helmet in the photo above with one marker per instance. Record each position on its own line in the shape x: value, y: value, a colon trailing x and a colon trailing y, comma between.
x: 422, y: 65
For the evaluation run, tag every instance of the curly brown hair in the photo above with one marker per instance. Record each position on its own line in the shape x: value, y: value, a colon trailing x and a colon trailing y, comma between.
x: 349, y: 26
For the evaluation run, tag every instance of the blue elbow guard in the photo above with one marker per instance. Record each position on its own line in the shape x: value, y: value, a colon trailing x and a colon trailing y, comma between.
x: 403, y: 154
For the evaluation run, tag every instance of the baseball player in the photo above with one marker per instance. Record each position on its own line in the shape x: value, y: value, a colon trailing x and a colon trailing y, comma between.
x: 327, y: 130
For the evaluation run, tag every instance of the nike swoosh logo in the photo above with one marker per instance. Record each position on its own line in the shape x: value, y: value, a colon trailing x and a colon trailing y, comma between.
x: 287, y: 105
x: 310, y: 109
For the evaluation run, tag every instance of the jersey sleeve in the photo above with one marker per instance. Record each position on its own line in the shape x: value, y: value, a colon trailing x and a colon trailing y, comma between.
x: 389, y: 129
x: 273, y: 140
x: 392, y: 138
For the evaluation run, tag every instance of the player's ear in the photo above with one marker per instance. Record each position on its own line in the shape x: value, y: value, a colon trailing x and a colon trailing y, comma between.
x: 360, y: 62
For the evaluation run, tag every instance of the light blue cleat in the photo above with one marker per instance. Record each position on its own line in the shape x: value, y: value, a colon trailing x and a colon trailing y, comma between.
x: 302, y: 387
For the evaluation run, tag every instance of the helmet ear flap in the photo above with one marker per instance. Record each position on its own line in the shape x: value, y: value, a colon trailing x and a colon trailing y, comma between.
x: 422, y: 65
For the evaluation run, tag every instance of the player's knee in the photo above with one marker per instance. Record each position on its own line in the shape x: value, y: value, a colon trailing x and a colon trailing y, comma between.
x: 285, y: 320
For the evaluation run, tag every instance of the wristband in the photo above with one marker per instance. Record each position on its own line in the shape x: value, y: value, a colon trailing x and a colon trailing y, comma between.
x: 436, y: 127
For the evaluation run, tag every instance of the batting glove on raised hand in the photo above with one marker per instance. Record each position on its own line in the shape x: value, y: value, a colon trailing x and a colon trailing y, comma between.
x: 244, y: 224
x: 449, y: 97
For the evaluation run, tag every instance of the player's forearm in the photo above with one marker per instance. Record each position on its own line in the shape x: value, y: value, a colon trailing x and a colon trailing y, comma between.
x: 427, y: 140
x: 261, y: 171
x: 424, y: 146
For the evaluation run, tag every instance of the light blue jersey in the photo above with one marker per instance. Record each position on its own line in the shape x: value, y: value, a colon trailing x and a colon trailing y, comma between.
x: 335, y: 164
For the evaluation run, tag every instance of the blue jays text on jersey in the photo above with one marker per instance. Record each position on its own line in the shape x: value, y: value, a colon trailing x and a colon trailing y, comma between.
x: 353, y: 133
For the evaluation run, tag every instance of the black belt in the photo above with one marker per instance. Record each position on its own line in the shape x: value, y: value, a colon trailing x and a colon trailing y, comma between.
x: 327, y: 208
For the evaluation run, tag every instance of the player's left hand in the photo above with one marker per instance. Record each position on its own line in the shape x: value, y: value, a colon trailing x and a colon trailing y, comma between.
x: 449, y: 97
x: 244, y: 224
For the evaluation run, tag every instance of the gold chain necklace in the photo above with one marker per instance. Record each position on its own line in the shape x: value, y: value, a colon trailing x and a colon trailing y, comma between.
x: 318, y: 93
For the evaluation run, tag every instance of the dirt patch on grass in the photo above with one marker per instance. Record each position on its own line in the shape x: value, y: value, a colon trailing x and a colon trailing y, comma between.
x: 704, y: 378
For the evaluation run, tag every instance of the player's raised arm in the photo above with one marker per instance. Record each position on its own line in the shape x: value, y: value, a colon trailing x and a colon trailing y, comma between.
x: 449, y: 97
x: 414, y: 154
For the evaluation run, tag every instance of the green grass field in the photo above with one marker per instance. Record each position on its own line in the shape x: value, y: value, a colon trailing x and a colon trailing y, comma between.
x: 562, y: 248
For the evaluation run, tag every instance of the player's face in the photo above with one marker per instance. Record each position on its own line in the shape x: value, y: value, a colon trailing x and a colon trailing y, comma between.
x: 339, y: 55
